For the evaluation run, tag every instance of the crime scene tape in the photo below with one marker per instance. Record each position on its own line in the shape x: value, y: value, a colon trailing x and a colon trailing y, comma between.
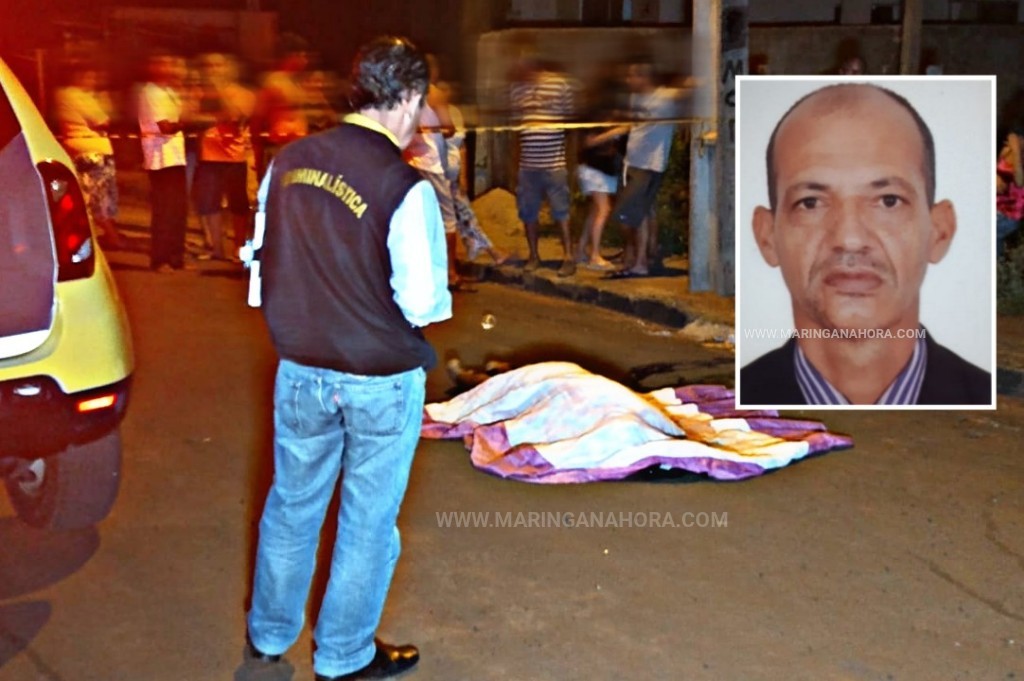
x: 498, y: 127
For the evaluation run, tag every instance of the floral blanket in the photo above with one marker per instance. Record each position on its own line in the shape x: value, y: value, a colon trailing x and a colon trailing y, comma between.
x: 558, y: 423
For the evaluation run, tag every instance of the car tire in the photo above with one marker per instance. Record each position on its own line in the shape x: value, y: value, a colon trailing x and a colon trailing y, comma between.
x: 78, y: 486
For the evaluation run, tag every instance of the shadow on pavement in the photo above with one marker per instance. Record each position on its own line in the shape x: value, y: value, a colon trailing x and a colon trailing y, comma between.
x: 31, y: 560
x: 19, y: 624
x: 260, y: 474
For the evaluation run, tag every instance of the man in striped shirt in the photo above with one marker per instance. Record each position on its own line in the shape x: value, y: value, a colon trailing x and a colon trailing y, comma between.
x: 853, y: 225
x: 543, y: 96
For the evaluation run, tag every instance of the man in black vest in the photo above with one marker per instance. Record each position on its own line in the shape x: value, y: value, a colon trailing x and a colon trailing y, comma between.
x: 853, y: 225
x: 353, y: 264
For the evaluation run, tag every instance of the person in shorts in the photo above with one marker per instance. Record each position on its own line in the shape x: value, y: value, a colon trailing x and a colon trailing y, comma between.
x: 543, y: 95
x: 647, y: 155
x: 598, y: 172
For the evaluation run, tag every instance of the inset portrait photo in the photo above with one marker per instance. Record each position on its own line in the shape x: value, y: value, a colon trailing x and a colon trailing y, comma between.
x: 865, y: 235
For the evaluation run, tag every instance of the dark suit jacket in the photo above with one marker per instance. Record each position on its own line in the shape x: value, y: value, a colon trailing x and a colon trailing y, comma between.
x: 948, y: 379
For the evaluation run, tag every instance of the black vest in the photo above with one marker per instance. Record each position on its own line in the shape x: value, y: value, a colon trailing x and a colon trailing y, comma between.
x: 327, y: 296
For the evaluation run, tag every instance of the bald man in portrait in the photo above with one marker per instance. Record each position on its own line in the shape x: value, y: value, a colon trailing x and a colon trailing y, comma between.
x: 853, y: 224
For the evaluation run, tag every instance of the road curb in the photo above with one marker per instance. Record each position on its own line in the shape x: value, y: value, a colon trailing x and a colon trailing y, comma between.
x: 1009, y: 382
x: 582, y: 292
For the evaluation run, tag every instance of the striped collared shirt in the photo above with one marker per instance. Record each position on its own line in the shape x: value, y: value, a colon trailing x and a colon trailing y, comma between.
x: 904, y: 389
x: 546, y: 99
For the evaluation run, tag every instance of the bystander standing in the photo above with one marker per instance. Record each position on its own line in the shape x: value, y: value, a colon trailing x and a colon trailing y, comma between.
x: 541, y: 99
x: 281, y: 105
x: 163, y: 149
x: 83, y: 118
x: 427, y: 152
x: 224, y: 152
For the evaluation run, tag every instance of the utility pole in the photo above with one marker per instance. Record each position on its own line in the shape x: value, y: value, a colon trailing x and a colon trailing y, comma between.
x: 734, y: 53
x: 719, y: 55
x: 910, y: 49
x: 703, y: 204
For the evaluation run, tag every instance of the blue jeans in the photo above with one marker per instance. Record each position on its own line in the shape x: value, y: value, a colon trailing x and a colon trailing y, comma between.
x: 327, y: 423
x: 534, y: 185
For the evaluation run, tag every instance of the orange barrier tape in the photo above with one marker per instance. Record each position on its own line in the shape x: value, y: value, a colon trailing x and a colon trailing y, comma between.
x: 510, y: 127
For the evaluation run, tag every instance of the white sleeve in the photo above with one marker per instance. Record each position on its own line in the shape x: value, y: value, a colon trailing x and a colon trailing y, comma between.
x: 249, y: 252
x: 419, y: 258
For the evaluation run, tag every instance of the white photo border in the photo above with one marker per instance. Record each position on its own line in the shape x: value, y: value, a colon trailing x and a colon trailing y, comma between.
x: 801, y: 85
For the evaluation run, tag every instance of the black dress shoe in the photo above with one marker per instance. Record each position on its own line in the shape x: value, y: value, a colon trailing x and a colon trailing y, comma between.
x: 388, y: 661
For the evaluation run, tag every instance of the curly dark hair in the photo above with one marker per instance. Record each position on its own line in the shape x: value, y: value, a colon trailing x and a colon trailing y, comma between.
x: 384, y: 70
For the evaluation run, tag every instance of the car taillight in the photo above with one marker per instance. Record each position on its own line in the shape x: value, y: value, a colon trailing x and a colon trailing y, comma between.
x: 71, y: 231
x: 94, y: 403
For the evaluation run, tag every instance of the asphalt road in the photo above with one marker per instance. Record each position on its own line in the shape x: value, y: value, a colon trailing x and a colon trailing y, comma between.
x: 902, y: 558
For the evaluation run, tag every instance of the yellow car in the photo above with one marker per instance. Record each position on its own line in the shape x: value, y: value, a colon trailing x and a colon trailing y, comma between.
x: 65, y: 344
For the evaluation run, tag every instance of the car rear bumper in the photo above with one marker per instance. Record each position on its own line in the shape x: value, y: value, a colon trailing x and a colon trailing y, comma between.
x: 38, y: 419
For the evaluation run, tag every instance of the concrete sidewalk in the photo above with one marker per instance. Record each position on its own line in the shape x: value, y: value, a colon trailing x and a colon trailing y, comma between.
x: 664, y: 299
